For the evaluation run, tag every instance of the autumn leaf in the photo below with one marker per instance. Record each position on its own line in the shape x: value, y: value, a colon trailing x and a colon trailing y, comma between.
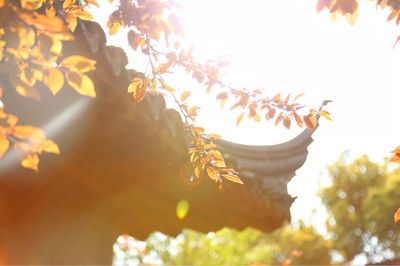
x: 137, y: 88
x: 214, y: 174
x: 50, y: 147
x: 113, y: 27
x: 54, y: 80
x: 397, y: 216
x: 222, y: 98
x: 4, y: 145
x: 325, y: 114
x: 81, y: 83
x: 78, y: 63
x: 31, y: 4
x: 233, y: 178
x: 184, y: 95
x: 287, y: 122
x: 31, y: 162
x: 310, y: 121
x: 35, y: 135
x: 43, y: 22
x: 239, y: 119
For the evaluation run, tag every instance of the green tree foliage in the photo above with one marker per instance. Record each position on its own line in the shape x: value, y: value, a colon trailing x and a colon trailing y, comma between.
x: 362, y: 196
x: 289, y: 245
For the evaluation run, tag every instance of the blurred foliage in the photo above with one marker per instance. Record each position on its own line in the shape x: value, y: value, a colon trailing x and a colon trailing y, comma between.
x: 362, y: 196
x: 299, y: 244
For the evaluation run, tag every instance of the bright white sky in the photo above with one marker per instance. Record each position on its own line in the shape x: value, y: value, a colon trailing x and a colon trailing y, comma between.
x: 286, y: 46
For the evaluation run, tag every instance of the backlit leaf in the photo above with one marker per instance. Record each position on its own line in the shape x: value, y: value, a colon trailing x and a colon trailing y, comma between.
x: 54, y: 80
x: 50, y: 146
x: 4, y: 144
x: 239, y: 119
x: 185, y: 95
x: 310, y: 121
x: 214, y: 174
x: 233, y: 178
x: 35, y: 135
x: 31, y: 162
x: 78, y: 63
x: 325, y: 114
x: 397, y: 215
x: 81, y: 83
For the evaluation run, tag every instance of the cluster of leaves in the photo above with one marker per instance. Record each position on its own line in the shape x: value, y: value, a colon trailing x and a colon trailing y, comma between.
x: 361, y: 197
x: 32, y: 33
x: 349, y: 8
x: 28, y: 141
x: 148, y: 21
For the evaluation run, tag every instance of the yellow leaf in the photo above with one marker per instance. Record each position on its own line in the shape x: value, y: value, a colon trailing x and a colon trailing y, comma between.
x: 135, y: 84
x: 239, y: 119
x: 27, y: 91
x: 85, y: 15
x: 33, y: 134
x: 4, y: 144
x: 43, y: 22
x: 138, y: 89
x: 182, y: 209
x: 78, y: 63
x: 113, y: 27
x: 233, y: 178
x: 185, y: 95
x: 81, y: 83
x: 50, y: 146
x: 54, y: 80
x: 31, y: 162
x: 325, y: 114
x: 218, y: 158
x: 31, y: 4
x: 214, y: 174
x: 197, y: 171
x: 1, y: 3
x: 12, y: 120
x: 397, y: 215
x: 67, y: 3
x: 50, y: 10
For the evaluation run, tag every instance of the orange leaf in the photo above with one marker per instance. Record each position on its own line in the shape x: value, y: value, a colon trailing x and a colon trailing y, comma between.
x: 35, y: 135
x: 310, y: 121
x: 397, y: 215
x: 4, y: 145
x: 31, y: 162
x: 287, y: 122
x: 239, y: 119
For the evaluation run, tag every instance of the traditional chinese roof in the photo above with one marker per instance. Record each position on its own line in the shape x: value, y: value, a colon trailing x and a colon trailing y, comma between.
x: 122, y: 170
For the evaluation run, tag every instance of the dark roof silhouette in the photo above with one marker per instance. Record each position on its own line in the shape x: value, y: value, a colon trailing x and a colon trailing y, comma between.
x: 122, y: 169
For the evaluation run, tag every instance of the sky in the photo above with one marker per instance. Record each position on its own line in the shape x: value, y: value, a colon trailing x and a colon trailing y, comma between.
x: 286, y: 46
